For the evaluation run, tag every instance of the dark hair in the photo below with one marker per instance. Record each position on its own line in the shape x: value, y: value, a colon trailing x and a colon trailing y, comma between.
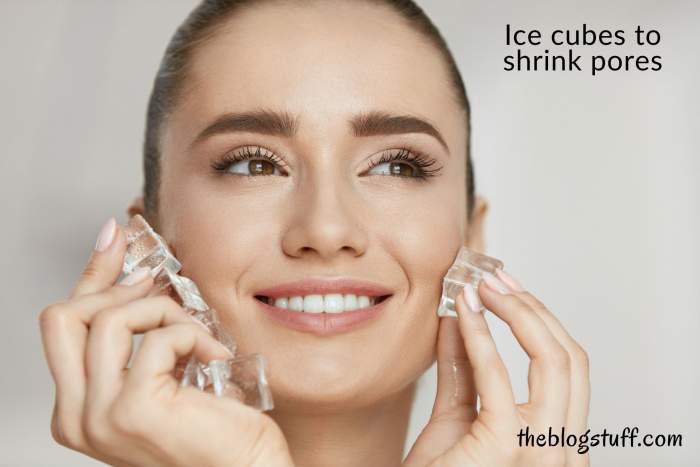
x: 202, y: 23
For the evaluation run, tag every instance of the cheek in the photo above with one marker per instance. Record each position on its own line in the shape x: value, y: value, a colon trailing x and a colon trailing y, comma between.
x: 222, y: 240
x: 421, y: 233
x: 218, y: 235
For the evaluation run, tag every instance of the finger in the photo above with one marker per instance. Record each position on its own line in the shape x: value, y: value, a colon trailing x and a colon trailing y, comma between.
x: 161, y: 348
x: 105, y: 263
x: 109, y: 343
x: 577, y: 416
x: 549, y: 373
x: 64, y: 329
x: 135, y: 286
x: 579, y: 398
x: 490, y: 374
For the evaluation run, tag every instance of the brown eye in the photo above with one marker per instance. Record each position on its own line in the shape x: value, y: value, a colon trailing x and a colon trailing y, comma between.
x: 260, y: 167
x: 253, y: 168
x: 405, y: 164
x: 397, y: 169
x: 250, y: 162
x: 401, y: 169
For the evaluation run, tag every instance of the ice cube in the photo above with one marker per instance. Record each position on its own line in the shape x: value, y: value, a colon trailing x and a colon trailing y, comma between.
x: 467, y: 268
x: 145, y: 248
x: 242, y: 378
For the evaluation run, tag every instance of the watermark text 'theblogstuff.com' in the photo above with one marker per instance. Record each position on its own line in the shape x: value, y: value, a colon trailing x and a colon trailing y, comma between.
x: 628, y: 437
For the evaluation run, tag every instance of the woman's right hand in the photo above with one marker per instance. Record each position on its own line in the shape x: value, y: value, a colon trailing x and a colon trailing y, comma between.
x: 138, y: 415
x: 469, y: 365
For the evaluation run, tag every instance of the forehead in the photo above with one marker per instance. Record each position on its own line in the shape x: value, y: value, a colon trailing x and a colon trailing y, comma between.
x: 321, y: 60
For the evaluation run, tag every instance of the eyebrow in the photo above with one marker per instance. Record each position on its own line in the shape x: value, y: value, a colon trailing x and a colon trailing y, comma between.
x: 283, y: 124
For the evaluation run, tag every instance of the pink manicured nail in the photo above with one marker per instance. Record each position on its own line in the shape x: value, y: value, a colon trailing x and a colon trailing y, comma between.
x: 495, y: 283
x: 471, y: 298
x: 510, y: 281
x: 106, y: 235
x: 136, y: 276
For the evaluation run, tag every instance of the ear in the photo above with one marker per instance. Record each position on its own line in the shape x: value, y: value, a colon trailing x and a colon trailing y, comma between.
x: 136, y: 207
x: 474, y: 235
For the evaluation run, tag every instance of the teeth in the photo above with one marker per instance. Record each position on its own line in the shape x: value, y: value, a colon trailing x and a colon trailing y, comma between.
x: 362, y: 301
x: 350, y: 302
x: 296, y: 303
x: 330, y: 303
x: 313, y: 303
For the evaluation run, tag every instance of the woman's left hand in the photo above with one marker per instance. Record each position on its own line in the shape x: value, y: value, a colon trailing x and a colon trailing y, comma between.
x: 469, y: 365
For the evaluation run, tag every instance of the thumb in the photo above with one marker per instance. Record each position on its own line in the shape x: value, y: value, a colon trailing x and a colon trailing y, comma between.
x: 105, y: 263
x: 456, y: 394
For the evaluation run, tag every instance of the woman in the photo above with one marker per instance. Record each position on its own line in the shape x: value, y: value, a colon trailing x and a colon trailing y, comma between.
x: 296, y: 149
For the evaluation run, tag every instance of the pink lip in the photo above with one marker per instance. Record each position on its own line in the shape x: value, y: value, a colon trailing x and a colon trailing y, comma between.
x: 322, y: 323
x: 322, y: 286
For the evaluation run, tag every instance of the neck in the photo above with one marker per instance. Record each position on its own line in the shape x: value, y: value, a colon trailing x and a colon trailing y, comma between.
x: 373, y: 435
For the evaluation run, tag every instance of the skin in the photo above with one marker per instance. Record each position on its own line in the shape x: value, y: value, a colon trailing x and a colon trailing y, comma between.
x: 326, y: 217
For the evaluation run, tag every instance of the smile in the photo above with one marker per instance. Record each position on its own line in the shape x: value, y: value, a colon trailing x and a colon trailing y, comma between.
x: 323, y: 305
x: 329, y: 303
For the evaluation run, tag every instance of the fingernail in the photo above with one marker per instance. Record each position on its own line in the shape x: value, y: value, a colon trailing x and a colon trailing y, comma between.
x: 471, y: 298
x: 510, y: 281
x: 106, y: 235
x: 136, y: 276
x: 495, y: 283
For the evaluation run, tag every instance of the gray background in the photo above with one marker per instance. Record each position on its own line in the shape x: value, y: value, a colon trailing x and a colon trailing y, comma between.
x: 592, y: 182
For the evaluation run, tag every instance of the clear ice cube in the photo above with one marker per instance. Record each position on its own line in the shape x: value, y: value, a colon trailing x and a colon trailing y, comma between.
x: 239, y: 378
x: 189, y: 294
x: 145, y: 248
x: 467, y: 268
x: 242, y: 377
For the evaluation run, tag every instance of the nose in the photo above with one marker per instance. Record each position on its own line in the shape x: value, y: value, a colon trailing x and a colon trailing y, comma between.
x: 325, y: 221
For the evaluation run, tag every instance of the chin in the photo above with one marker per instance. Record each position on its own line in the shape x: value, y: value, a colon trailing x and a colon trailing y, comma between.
x: 321, y: 382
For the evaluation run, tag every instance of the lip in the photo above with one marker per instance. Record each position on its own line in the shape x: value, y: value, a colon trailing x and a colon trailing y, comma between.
x: 325, y: 285
x: 323, y: 324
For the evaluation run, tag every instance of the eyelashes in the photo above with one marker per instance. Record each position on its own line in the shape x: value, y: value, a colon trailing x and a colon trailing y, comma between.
x: 419, y: 161
x: 420, y: 164
x: 247, y: 153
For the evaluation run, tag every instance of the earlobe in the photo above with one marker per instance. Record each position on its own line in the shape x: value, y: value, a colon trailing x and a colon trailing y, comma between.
x: 137, y: 206
x: 475, y: 228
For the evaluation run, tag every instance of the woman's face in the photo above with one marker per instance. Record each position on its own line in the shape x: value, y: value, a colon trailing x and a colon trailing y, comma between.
x: 318, y: 210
